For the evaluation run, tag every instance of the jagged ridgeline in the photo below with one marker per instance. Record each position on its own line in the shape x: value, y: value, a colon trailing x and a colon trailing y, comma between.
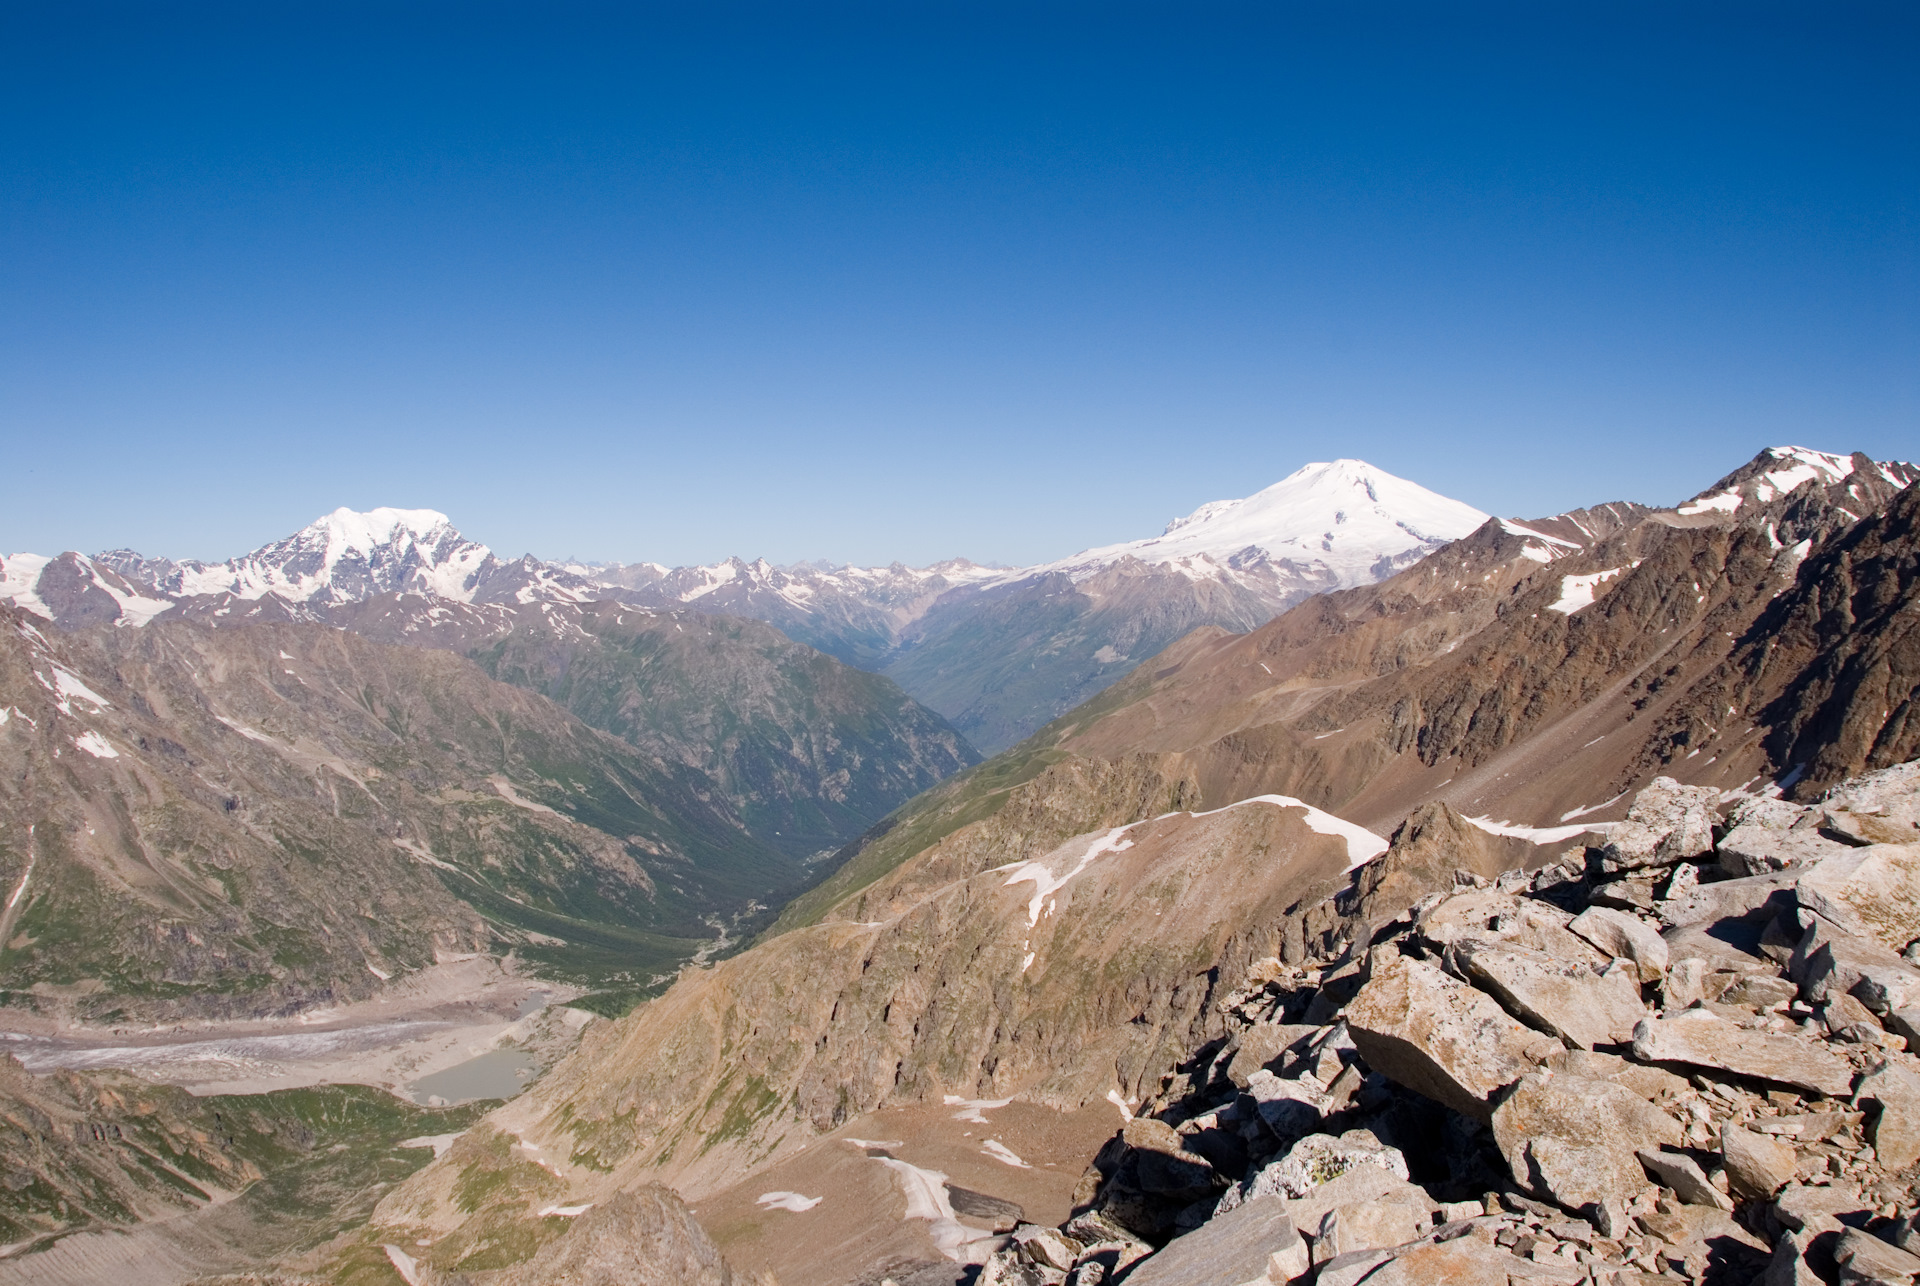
x: 1061, y: 925
x: 247, y: 820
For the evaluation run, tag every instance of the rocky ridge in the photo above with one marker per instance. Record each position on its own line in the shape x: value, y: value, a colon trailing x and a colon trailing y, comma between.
x: 806, y: 750
x: 1049, y: 978
x: 1533, y: 676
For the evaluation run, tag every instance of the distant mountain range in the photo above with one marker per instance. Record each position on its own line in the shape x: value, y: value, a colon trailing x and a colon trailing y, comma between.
x: 997, y: 651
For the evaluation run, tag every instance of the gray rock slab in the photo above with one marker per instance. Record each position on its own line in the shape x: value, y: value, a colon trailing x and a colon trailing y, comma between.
x: 1894, y: 1129
x: 1314, y: 1162
x: 1789, y: 1266
x: 1370, y: 1225
x: 1261, y: 1044
x: 1624, y: 936
x: 1757, y: 1165
x: 1701, y: 1228
x: 1464, y: 1261
x: 1864, y: 1258
x: 1291, y: 1107
x: 1755, y: 849
x: 1667, y: 823
x: 1740, y: 899
x: 1802, y: 1208
x: 1567, y: 1000
x: 1873, y: 891
x: 1439, y: 1037
x: 1253, y: 1245
x: 1683, y: 1174
x: 1700, y: 1038
x: 1573, y: 1140
x: 1830, y: 957
x: 1363, y: 1185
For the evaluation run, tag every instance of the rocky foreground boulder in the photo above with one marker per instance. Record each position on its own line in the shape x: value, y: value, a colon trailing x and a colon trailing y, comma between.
x: 1680, y: 1055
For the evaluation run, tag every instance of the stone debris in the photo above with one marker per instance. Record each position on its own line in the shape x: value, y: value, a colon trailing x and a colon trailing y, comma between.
x: 1757, y: 1164
x: 1574, y: 1140
x: 1290, y: 1106
x: 1570, y: 1001
x: 1755, y: 849
x: 1314, y: 1161
x: 1680, y: 1172
x: 1661, y: 1061
x: 1260, y: 1045
x: 1895, y: 1129
x: 1869, y: 892
x: 1250, y: 1246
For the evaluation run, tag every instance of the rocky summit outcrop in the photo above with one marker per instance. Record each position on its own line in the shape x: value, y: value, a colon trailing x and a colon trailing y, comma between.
x: 1443, y: 1120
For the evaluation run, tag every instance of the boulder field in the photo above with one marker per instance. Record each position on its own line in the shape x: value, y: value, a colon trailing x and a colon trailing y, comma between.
x: 1679, y: 1055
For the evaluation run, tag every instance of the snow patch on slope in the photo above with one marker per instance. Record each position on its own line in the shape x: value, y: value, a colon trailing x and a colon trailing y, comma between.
x: 1577, y: 592
x: 1362, y: 847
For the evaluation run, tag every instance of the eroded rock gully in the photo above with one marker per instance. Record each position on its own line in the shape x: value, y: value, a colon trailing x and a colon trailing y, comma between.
x: 1665, y: 1058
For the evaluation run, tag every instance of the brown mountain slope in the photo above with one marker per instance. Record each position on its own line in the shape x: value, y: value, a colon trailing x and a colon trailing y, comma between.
x: 1516, y: 687
x: 246, y: 821
x: 1064, y: 979
x: 1471, y: 678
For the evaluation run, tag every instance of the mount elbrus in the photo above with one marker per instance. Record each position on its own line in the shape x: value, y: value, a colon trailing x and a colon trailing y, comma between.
x: 1525, y: 900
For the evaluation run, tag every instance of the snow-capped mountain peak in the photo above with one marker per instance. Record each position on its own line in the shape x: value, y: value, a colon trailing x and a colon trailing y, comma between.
x: 347, y: 555
x: 1337, y: 522
x: 364, y: 532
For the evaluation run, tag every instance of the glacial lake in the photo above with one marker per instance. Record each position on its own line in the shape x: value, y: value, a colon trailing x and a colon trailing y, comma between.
x: 498, y: 1073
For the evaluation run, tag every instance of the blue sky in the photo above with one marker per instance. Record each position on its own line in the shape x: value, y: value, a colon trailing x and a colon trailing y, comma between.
x: 913, y: 280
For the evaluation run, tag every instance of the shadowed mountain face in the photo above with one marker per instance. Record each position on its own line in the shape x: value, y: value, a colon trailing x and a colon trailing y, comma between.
x: 808, y: 752
x: 248, y: 821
